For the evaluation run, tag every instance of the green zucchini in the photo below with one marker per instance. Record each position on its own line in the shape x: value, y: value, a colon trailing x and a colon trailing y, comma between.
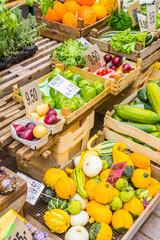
x: 158, y: 127
x: 142, y: 95
x: 137, y: 141
x: 136, y: 114
x: 143, y: 127
x: 139, y: 102
x: 115, y: 116
x: 146, y: 145
x: 153, y: 91
x: 155, y: 134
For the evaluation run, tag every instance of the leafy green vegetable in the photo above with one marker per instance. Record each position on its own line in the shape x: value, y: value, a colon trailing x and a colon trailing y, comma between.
x: 119, y: 20
x: 126, y: 42
x: 158, y: 21
x: 70, y: 53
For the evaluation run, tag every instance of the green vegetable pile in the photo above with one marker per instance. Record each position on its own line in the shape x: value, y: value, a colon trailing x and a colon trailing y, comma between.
x: 70, y: 53
x: 126, y: 42
x: 158, y: 21
x: 119, y: 20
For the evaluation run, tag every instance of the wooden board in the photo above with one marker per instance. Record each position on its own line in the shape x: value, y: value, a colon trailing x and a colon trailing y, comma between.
x: 16, y: 199
x: 105, y: 46
x: 72, y: 141
x: 112, y: 125
x: 61, y: 32
x: 29, y: 69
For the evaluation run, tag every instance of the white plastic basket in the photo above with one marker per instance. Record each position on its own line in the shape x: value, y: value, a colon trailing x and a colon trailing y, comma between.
x: 31, y: 144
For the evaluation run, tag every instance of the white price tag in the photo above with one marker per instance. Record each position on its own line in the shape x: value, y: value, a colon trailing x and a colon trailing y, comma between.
x: 35, y: 188
x: 157, y: 2
x: 64, y: 86
x: 142, y: 19
x: 93, y: 58
x: 151, y: 16
x: 18, y: 231
x: 31, y: 96
x: 84, y: 42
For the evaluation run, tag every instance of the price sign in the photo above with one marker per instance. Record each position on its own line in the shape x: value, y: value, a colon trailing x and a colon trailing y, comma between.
x: 116, y: 172
x: 84, y: 42
x: 133, y: 11
x: 35, y: 188
x: 157, y: 2
x: 18, y: 231
x: 142, y: 19
x: 93, y: 58
x: 64, y: 86
x: 151, y: 16
x: 31, y: 96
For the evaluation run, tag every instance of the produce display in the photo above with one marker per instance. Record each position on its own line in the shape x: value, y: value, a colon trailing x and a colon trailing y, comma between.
x: 86, y: 197
x: 87, y: 91
x: 114, y: 67
x: 90, y: 11
x: 143, y: 112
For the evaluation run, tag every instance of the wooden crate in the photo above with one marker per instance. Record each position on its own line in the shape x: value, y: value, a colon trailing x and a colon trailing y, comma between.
x: 29, y: 69
x: 16, y: 199
x: 61, y: 32
x: 113, y: 127
x: 94, y: 103
x: 30, y: 213
x: 72, y: 141
x: 144, y: 54
x: 117, y: 85
x: 155, y: 74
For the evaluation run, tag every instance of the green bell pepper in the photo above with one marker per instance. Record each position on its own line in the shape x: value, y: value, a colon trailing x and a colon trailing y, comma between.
x: 73, y: 82
x: 55, y: 72
x: 78, y: 101
x: 69, y: 103
x: 87, y: 93
x: 68, y: 74
x: 98, y: 86
x: 77, y: 78
x: 53, y: 93
x: 42, y: 95
x: 19, y: 93
x: 84, y: 83
x: 49, y: 100
x: 59, y: 100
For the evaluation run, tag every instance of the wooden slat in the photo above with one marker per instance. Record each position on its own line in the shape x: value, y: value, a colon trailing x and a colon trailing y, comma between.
x: 14, y: 147
x: 2, y: 109
x: 5, y: 139
x: 10, y: 109
x: 12, y: 118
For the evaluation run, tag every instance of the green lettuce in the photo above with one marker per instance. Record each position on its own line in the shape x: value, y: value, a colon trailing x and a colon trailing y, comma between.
x: 126, y: 42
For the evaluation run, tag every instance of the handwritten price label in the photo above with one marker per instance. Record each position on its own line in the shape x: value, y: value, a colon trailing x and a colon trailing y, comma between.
x: 84, y: 42
x: 31, y: 96
x: 157, y: 2
x: 93, y: 58
x: 142, y: 22
x: 151, y: 16
x: 18, y: 231
x: 64, y: 86
x: 35, y: 188
x: 133, y: 11
x: 116, y: 172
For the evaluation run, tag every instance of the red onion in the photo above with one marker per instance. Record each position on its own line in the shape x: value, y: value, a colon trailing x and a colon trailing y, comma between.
x: 107, y: 58
x: 117, y: 61
x: 113, y: 67
x: 51, y: 119
x: 51, y: 111
x: 30, y: 125
x: 26, y: 134
x: 18, y: 127
x: 127, y: 68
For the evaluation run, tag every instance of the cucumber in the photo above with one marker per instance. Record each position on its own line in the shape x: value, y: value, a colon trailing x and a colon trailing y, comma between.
x: 142, y: 95
x: 137, y: 141
x: 136, y: 114
x: 144, y: 127
x: 146, y: 106
x: 156, y: 82
x: 158, y: 127
x: 115, y: 116
x: 155, y: 134
x: 153, y: 91
x: 146, y: 145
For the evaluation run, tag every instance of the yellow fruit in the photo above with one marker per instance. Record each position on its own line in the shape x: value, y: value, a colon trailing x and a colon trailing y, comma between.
x: 41, y: 119
x: 39, y: 131
x: 34, y: 115
x: 42, y: 109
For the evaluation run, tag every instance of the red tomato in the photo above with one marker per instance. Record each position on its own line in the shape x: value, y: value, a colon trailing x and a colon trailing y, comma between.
x: 88, y: 70
x: 112, y: 76
x: 105, y: 71
x: 99, y: 72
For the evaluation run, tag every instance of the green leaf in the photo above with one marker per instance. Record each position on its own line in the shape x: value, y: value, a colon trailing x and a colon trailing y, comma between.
x: 30, y: 2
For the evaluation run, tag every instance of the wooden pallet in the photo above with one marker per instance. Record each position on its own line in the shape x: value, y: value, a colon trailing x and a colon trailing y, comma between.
x: 61, y: 32
x: 72, y: 141
x: 29, y: 69
x: 31, y: 211
x: 112, y: 129
x: 10, y: 110
x: 144, y: 54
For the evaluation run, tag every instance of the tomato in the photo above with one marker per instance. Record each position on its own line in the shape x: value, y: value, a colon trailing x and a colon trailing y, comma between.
x: 99, y: 72
x: 88, y: 70
x: 105, y: 71
x: 112, y: 76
